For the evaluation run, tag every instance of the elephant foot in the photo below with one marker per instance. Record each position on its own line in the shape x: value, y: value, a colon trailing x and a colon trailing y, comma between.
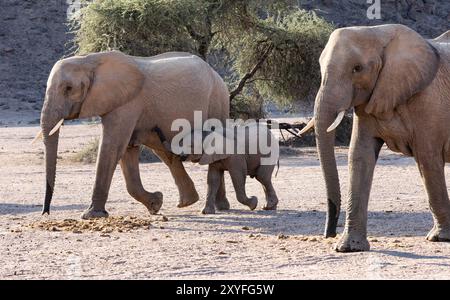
x: 94, y: 214
x: 222, y: 204
x: 270, y: 205
x: 187, y: 199
x: 352, y: 243
x: 439, y: 234
x: 154, y: 202
x: 209, y: 210
x: 252, y: 202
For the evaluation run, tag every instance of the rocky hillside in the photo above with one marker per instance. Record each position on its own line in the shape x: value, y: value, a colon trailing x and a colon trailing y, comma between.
x: 428, y: 17
x: 34, y: 35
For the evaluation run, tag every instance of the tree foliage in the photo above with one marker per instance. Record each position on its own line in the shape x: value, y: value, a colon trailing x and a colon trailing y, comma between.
x: 265, y: 49
x: 291, y: 70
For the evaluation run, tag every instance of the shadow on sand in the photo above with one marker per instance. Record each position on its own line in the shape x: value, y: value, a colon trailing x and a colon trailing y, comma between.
x: 286, y: 222
x: 411, y: 255
x: 297, y: 222
x: 18, y: 209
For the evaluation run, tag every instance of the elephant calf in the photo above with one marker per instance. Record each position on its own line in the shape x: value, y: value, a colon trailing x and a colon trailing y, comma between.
x: 250, y: 160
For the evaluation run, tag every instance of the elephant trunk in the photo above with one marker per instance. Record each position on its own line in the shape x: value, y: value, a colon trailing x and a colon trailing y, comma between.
x: 48, y: 121
x: 325, y: 113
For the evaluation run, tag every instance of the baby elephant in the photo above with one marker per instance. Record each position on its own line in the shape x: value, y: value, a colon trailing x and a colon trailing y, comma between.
x: 242, y: 150
x: 249, y: 161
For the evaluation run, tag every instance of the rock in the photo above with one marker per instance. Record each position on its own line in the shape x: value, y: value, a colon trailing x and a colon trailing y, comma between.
x: 282, y: 236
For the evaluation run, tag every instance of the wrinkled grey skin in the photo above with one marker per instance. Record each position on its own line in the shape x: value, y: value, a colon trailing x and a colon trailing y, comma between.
x: 239, y: 167
x: 399, y: 86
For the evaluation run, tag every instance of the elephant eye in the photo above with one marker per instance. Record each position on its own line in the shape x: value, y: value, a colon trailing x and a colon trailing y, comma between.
x: 357, y: 69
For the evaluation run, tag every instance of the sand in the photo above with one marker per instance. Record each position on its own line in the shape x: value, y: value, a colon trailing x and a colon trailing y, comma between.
x: 183, y: 244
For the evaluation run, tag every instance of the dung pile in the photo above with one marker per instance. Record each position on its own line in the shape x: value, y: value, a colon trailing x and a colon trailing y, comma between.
x: 103, y: 225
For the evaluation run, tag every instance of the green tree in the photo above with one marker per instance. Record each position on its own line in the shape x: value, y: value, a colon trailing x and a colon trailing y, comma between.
x: 264, y: 49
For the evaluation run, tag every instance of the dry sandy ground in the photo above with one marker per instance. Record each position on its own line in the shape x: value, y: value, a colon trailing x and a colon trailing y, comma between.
x: 285, y: 244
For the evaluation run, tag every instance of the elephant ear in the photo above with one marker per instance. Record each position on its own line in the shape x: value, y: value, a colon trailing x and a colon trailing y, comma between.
x: 409, y: 65
x: 443, y: 38
x: 116, y: 79
x: 212, y: 151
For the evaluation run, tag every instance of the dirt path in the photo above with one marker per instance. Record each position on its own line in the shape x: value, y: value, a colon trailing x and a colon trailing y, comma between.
x: 187, y: 245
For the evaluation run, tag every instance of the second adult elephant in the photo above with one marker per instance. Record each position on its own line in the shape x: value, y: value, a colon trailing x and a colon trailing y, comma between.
x: 399, y: 85
x: 131, y: 95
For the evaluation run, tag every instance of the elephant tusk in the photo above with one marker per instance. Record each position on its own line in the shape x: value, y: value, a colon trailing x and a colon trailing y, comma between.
x: 337, y: 121
x: 37, y: 137
x: 55, y: 129
x: 307, y: 127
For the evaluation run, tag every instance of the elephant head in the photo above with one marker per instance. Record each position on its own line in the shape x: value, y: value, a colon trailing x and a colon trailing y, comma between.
x: 81, y: 87
x: 222, y: 142
x: 213, y: 146
x: 377, y: 68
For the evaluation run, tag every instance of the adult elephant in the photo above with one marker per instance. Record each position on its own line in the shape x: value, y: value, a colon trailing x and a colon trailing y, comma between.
x: 131, y: 95
x: 399, y: 86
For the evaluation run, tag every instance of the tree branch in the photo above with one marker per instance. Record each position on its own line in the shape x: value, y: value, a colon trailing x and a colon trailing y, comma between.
x: 195, y: 35
x: 203, y: 41
x: 250, y: 74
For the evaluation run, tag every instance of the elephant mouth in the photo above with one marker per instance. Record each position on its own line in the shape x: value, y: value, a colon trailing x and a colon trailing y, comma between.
x: 74, y: 112
x: 73, y: 116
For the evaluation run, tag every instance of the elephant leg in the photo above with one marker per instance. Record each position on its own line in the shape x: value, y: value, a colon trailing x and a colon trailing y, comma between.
x: 186, y: 188
x: 113, y: 143
x: 433, y: 176
x: 221, y: 199
x: 129, y: 164
x: 264, y: 176
x: 238, y: 175
x: 214, y: 181
x: 363, y: 154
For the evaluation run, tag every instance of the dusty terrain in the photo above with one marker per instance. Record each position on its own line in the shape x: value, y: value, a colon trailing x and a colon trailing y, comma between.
x: 183, y: 244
